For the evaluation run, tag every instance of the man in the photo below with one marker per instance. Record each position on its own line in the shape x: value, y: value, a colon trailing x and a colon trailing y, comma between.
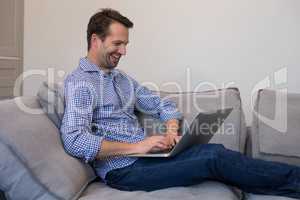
x: 100, y: 127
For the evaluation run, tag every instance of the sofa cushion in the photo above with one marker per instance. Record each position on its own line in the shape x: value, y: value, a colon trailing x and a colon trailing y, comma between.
x: 207, y: 190
x: 33, y: 162
x: 16, y: 178
x: 233, y: 132
x: 275, y: 129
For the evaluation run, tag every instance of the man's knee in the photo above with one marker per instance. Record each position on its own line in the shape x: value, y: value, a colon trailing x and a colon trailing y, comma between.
x: 216, y: 147
x: 215, y: 150
x: 206, y: 151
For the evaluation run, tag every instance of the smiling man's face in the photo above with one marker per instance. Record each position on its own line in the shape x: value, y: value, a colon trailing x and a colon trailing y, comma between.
x: 113, y: 47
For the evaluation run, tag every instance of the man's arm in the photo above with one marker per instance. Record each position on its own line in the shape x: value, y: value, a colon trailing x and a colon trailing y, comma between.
x: 76, y: 134
x: 109, y: 148
x: 164, y: 109
x: 150, y: 103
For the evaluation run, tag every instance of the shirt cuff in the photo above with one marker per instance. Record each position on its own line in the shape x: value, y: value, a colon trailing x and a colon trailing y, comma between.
x: 168, y: 116
x: 93, y: 147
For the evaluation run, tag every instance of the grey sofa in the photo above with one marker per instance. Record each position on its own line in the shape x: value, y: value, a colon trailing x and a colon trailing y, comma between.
x: 34, y: 164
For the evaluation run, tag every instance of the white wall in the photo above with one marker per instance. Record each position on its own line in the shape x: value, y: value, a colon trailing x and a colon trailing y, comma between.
x: 240, y: 41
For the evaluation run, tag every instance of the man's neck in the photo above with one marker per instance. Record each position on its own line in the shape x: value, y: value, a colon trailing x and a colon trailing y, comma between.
x: 93, y: 59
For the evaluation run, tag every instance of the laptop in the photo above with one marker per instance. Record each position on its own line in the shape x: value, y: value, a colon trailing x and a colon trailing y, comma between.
x: 201, y: 130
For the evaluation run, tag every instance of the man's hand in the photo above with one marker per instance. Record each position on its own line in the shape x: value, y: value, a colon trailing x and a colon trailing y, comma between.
x: 172, y: 138
x: 157, y: 143
x: 153, y: 144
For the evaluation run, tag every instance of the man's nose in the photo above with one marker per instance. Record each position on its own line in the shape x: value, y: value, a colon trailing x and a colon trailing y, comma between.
x: 122, y: 50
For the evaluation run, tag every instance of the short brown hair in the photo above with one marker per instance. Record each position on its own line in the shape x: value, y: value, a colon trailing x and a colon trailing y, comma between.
x: 99, y: 23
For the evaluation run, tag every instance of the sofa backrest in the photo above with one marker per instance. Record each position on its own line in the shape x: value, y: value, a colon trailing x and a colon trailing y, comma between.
x: 233, y: 135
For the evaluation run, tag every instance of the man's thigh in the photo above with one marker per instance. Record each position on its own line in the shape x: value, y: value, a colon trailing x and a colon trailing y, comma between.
x: 187, y: 168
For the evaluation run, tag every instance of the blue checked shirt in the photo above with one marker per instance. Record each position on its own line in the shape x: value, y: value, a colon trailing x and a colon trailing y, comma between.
x: 101, y: 106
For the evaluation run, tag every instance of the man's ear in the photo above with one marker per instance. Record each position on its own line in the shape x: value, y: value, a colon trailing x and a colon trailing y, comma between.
x: 95, y: 40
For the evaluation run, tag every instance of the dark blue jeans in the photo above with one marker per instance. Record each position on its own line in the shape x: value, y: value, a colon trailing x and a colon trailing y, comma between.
x: 208, y: 162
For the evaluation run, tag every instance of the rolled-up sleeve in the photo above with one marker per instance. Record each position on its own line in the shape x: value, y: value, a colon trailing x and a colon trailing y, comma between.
x: 76, y: 133
x: 151, y: 103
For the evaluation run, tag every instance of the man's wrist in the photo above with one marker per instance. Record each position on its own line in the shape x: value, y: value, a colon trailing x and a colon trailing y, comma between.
x: 172, y: 126
x: 172, y: 132
x: 135, y: 148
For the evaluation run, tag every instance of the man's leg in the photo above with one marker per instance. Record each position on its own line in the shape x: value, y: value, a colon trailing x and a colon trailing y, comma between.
x: 208, y: 162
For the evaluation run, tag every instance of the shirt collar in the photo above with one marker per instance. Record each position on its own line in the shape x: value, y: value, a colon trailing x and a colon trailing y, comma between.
x: 88, y: 66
